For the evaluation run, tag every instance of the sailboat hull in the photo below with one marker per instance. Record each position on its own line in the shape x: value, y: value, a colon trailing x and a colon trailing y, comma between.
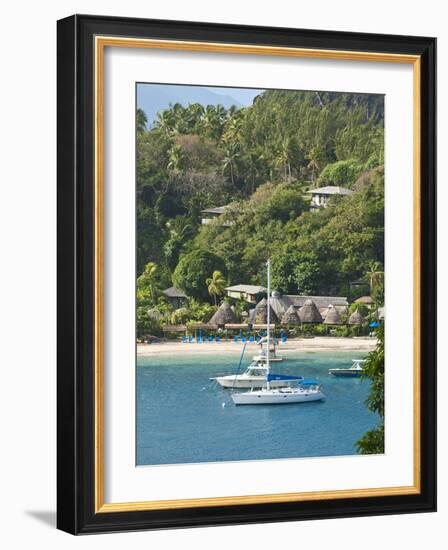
x: 246, y: 382
x: 276, y: 397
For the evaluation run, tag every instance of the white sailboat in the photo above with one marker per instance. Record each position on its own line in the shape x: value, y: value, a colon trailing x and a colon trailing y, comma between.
x: 255, y: 376
x: 297, y: 391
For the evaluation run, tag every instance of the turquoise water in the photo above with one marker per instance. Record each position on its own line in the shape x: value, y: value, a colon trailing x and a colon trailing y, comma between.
x: 181, y: 417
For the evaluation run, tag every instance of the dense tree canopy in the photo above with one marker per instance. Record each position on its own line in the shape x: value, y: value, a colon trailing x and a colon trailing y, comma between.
x: 261, y: 161
x: 193, y: 271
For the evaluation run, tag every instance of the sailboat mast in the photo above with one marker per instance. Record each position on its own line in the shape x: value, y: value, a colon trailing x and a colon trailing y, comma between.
x: 269, y: 323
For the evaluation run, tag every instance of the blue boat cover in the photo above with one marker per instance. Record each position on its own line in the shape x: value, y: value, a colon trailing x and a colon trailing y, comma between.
x: 309, y: 383
x: 271, y: 377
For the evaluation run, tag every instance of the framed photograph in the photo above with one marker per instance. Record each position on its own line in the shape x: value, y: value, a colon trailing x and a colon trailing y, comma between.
x: 246, y: 274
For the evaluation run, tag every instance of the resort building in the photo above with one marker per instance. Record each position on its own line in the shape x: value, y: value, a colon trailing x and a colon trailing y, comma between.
x: 309, y: 309
x: 281, y: 302
x: 211, y: 214
x: 248, y: 293
x: 175, y: 296
x: 224, y: 316
x: 332, y: 317
x: 321, y: 196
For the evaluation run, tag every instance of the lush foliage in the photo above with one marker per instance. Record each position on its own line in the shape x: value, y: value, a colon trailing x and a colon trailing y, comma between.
x: 192, y: 270
x: 260, y: 161
x: 216, y: 284
x: 372, y: 442
x: 343, y: 173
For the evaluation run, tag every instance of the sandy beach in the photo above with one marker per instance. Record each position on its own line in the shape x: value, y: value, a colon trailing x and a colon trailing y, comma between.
x: 317, y: 344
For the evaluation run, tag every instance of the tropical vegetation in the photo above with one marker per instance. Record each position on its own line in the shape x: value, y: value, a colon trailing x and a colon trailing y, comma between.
x: 259, y: 161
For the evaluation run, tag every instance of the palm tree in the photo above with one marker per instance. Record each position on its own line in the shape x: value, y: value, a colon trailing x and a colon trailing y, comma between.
x: 211, y: 122
x: 375, y: 276
x: 231, y: 155
x: 141, y: 121
x: 284, y: 158
x: 166, y: 121
x: 254, y: 163
x: 216, y: 284
x: 193, y: 115
x: 176, y: 158
x: 148, y: 279
x: 315, y: 159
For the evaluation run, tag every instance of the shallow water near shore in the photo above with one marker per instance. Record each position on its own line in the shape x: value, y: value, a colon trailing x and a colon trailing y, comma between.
x: 183, y: 417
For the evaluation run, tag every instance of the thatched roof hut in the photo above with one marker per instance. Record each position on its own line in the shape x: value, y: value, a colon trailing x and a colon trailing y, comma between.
x: 333, y: 317
x: 309, y: 313
x: 278, y: 304
x: 356, y: 318
x: 290, y: 317
x: 224, y: 315
x: 261, y: 313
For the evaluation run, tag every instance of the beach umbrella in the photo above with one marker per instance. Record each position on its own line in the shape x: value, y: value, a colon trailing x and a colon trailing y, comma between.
x: 290, y: 317
x: 333, y: 317
x: 309, y: 313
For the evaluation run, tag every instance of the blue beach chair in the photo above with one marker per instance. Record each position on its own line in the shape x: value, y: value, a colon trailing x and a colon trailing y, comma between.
x: 217, y: 339
x: 235, y: 339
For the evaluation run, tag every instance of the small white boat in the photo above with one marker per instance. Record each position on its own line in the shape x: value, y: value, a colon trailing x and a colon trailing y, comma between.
x: 305, y: 392
x: 255, y: 376
x: 292, y: 390
x: 351, y: 372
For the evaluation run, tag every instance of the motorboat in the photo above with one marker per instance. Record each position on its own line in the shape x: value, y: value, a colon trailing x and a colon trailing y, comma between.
x: 351, y: 372
x: 255, y: 376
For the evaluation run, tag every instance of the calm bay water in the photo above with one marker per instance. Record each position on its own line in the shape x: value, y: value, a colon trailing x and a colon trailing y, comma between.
x: 183, y: 417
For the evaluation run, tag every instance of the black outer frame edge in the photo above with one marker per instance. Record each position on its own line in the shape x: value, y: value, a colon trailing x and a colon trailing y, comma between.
x: 75, y: 225
x: 67, y: 482
x: 428, y: 300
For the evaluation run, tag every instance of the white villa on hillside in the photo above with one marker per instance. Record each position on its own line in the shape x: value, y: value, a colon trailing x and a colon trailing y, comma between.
x: 248, y: 293
x: 321, y: 196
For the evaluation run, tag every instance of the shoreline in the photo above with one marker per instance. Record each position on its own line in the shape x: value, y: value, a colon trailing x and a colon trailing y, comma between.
x: 317, y: 344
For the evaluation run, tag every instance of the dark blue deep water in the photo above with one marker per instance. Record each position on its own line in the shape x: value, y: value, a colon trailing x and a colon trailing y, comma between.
x: 181, y: 417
